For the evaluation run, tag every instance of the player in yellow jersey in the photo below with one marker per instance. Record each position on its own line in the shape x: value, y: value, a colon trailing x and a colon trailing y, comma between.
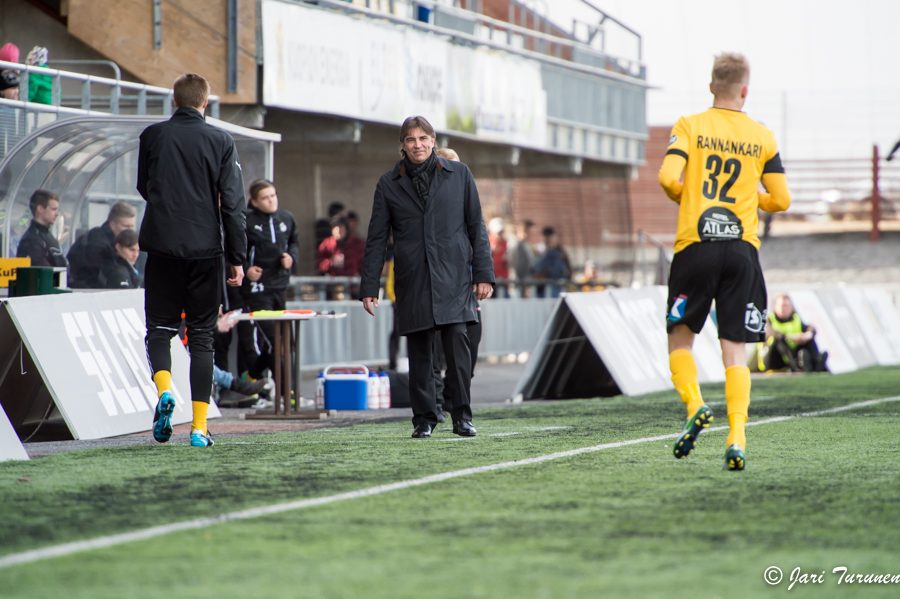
x: 723, y: 155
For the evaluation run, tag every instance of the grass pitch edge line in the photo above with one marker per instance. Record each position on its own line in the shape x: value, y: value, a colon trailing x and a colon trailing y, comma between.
x: 156, y: 531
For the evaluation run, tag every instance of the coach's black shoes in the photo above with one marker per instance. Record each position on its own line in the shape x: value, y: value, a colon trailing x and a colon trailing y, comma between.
x: 693, y: 426
x: 423, y: 431
x: 463, y: 428
x: 734, y: 458
x: 162, y: 417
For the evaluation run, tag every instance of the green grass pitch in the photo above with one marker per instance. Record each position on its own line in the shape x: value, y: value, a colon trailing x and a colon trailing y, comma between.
x: 819, y: 493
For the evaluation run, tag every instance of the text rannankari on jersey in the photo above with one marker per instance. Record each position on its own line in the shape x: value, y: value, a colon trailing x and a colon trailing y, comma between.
x: 731, y: 147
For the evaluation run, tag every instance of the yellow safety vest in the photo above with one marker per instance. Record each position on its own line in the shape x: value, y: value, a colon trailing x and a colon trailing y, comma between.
x: 792, y: 327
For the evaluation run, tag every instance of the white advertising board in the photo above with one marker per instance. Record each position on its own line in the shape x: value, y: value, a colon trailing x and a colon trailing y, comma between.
x: 10, y: 446
x: 828, y: 336
x: 627, y: 352
x: 319, y: 61
x: 871, y: 327
x: 707, y: 350
x: 882, y: 306
x: 90, y: 351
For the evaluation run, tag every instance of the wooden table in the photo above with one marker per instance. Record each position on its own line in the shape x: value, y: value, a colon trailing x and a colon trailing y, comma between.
x: 287, y: 337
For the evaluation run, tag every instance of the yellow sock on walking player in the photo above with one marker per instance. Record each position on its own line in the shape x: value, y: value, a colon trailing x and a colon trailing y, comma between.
x: 684, y: 377
x: 201, y: 408
x: 163, y: 380
x: 737, y: 400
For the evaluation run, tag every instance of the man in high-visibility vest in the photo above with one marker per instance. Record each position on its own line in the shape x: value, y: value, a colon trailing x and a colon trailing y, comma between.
x: 790, y: 342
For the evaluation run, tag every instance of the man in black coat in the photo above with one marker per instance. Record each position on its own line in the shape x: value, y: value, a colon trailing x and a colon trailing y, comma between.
x: 442, y: 262
x: 189, y: 174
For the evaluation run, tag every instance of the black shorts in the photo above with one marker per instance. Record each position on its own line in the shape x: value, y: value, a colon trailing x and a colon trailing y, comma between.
x: 725, y: 271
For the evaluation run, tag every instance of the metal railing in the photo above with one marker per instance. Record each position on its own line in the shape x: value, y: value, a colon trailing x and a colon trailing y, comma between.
x: 339, y: 288
x: 629, y: 70
x: 844, y: 189
x: 660, y: 273
x: 145, y: 99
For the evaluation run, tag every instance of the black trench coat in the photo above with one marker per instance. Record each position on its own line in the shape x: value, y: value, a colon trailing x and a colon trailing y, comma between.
x: 440, y: 250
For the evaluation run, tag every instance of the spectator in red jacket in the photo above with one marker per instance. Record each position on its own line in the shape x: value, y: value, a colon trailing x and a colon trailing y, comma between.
x: 496, y: 228
x: 341, y: 256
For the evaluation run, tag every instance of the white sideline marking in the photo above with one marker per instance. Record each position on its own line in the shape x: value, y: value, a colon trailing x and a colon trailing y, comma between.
x: 148, y: 533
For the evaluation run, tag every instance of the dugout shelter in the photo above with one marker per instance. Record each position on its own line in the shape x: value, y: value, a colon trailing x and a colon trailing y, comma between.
x: 90, y: 161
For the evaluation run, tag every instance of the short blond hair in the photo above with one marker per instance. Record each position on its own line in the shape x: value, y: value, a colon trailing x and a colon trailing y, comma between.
x: 191, y: 90
x: 730, y: 73
x: 447, y: 154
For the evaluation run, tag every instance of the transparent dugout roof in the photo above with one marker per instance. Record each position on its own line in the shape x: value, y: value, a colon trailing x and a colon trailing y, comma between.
x: 91, y: 163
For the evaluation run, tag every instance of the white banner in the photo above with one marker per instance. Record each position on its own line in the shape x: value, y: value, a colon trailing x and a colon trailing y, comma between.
x: 828, y: 336
x: 320, y: 61
x: 10, y: 446
x: 89, y: 348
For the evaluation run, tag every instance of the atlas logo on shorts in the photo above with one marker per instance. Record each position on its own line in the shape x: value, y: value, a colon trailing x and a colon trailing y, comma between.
x: 754, y: 320
x: 719, y: 224
x: 677, y: 311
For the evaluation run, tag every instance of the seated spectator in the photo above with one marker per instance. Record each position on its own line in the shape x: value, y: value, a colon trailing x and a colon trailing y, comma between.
x: 323, y: 225
x: 9, y: 52
x: 121, y: 272
x: 233, y: 391
x: 589, y: 278
x: 341, y: 255
x: 38, y: 243
x: 91, y: 252
x: 495, y: 228
x: 352, y: 224
x: 9, y: 85
x: 39, y: 85
x: 791, y: 343
x: 553, y: 263
x: 12, y: 124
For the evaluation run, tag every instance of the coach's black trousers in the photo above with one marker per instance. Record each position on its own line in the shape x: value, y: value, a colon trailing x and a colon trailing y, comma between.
x: 421, y: 373
x: 194, y: 287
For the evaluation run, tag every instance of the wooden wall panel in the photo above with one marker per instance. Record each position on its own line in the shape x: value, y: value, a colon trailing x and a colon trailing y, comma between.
x: 194, y: 39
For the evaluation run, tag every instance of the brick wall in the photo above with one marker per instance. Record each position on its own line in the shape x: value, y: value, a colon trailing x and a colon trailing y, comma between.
x: 651, y: 210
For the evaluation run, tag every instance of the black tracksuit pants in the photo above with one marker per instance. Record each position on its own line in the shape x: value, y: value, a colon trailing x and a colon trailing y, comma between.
x: 265, y: 329
x: 421, y: 374
x: 173, y: 286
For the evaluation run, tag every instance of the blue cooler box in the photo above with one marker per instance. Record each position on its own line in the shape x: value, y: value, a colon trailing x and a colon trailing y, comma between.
x: 346, y: 390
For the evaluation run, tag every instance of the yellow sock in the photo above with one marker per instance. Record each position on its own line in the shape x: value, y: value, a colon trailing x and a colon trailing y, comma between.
x: 200, y: 410
x: 737, y: 398
x: 163, y: 380
x: 684, y: 376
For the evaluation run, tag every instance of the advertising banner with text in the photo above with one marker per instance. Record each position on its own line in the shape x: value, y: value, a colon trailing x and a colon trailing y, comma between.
x: 325, y: 62
x: 89, y: 348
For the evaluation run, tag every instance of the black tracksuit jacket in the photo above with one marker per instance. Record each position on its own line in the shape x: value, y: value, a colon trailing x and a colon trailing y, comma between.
x: 268, y: 237
x: 183, y: 217
x: 39, y: 244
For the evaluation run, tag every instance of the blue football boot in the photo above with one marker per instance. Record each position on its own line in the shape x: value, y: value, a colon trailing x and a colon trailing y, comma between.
x: 162, y: 418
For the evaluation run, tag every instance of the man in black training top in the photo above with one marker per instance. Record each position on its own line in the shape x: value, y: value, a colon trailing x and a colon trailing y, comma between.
x: 38, y: 243
x: 188, y: 171
x: 272, y: 250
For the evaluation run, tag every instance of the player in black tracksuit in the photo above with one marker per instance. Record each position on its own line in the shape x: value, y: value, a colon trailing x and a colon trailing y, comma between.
x: 190, y: 176
x: 272, y: 250
x: 38, y: 243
